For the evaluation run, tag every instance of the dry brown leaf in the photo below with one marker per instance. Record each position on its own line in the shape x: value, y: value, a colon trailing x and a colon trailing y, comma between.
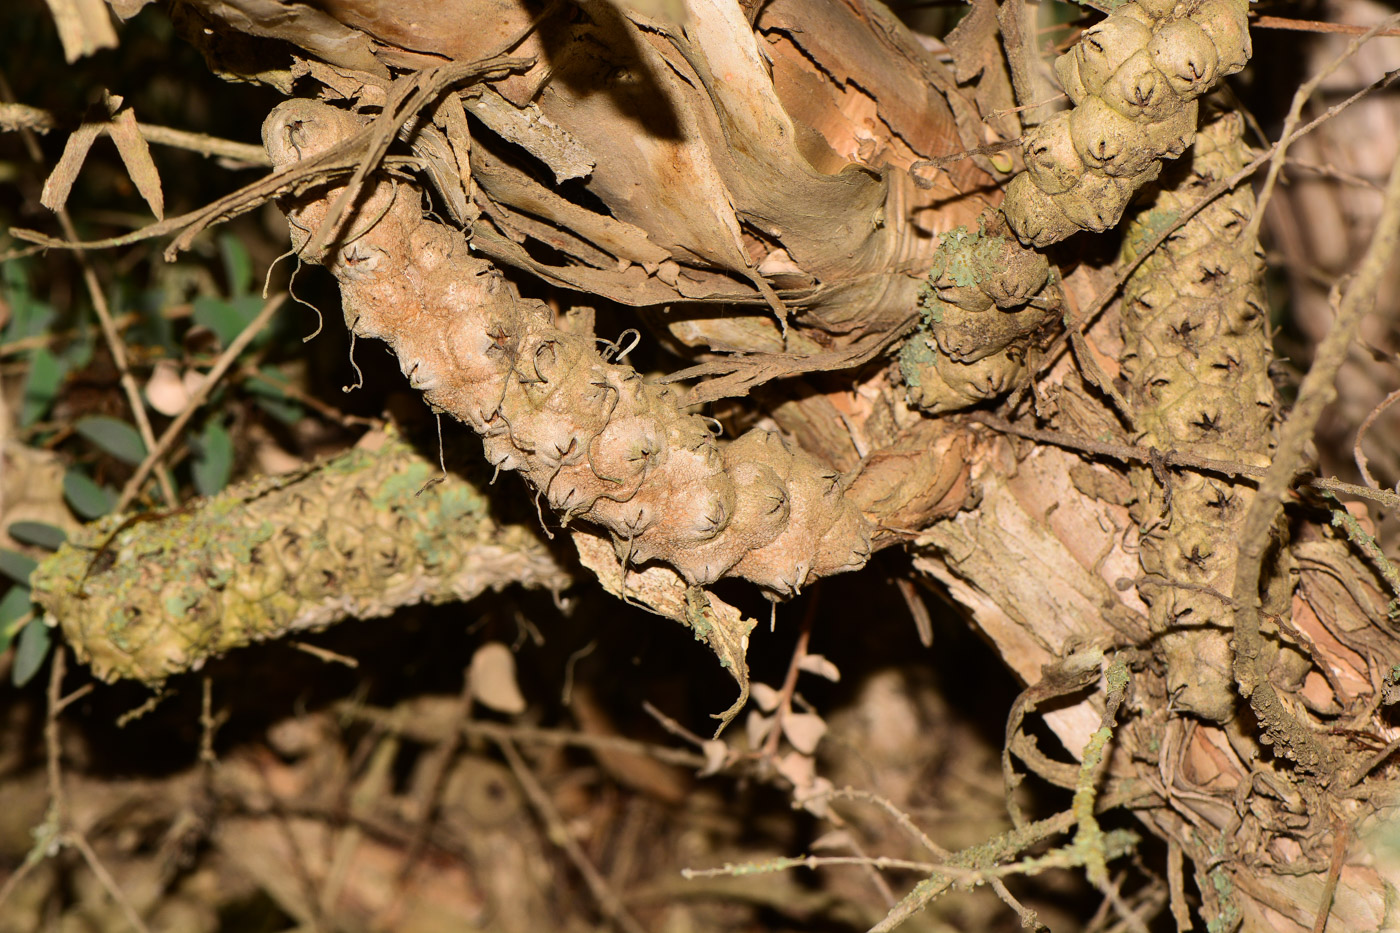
x: 493, y: 682
x: 756, y: 727
x: 136, y: 156
x: 820, y: 665
x: 60, y: 180
x: 804, y: 731
x: 716, y: 754
x: 166, y: 391
x: 766, y: 697
x: 84, y: 26
x: 126, y: 9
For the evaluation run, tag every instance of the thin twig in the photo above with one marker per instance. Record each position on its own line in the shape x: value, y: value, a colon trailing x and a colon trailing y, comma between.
x: 1341, y: 838
x: 903, y: 819
x: 799, y: 651
x: 559, y: 834
x: 388, y: 721
x: 172, y: 431
x: 1357, y: 452
x: 325, y: 654
x: 1295, y: 110
x: 24, y: 117
x: 1313, y: 25
x: 1177, y: 459
x: 78, y: 841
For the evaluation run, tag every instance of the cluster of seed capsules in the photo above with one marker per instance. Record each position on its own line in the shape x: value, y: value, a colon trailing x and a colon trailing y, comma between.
x: 1134, y: 79
x: 1195, y: 362
x: 979, y: 309
x: 595, y: 440
x: 360, y: 535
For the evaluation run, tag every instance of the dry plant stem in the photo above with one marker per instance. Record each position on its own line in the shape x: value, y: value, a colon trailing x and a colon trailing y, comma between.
x: 409, y: 97
x: 1176, y: 885
x: 558, y: 833
x: 79, y: 842
x: 1315, y: 393
x: 172, y: 432
x: 117, y: 348
x: 1341, y: 838
x: 1173, y: 458
x: 1360, y: 455
x: 396, y: 724
x: 1312, y: 25
x: 905, y: 822
x: 1295, y: 109
x: 784, y: 707
x: 23, y: 117
x: 53, y: 746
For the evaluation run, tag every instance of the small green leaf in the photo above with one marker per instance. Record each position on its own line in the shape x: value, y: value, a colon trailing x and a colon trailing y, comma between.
x: 227, y: 318
x: 213, y: 460
x: 85, y: 497
x: 15, y: 606
x: 28, y: 316
x: 266, y: 389
x: 39, y: 534
x: 33, y: 647
x: 237, y: 265
x: 41, y: 384
x: 16, y: 566
x: 114, y: 436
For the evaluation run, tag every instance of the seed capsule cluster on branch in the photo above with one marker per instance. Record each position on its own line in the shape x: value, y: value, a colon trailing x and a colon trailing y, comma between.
x: 595, y: 440
x: 986, y: 295
x: 360, y: 535
x: 1195, y: 359
x: 1134, y: 79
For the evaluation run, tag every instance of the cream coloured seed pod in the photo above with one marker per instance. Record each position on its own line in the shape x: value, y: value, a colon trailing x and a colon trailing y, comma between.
x: 1105, y: 46
x: 1067, y: 72
x: 1050, y: 156
x: 1098, y: 202
x: 1226, y: 22
x: 1109, y: 142
x: 1032, y: 215
x: 967, y: 337
x: 1140, y: 92
x: 1020, y: 275
x: 1186, y: 55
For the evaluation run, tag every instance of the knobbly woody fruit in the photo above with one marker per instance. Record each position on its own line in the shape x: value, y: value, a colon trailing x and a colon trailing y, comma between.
x: 596, y: 441
x: 1134, y: 79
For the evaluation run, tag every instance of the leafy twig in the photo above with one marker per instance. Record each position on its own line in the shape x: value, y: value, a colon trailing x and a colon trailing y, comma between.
x: 168, y: 437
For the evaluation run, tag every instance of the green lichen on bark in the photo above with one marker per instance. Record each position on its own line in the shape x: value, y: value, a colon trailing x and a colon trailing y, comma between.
x: 146, y: 599
x: 1195, y: 359
x: 597, y: 442
x: 1134, y: 79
